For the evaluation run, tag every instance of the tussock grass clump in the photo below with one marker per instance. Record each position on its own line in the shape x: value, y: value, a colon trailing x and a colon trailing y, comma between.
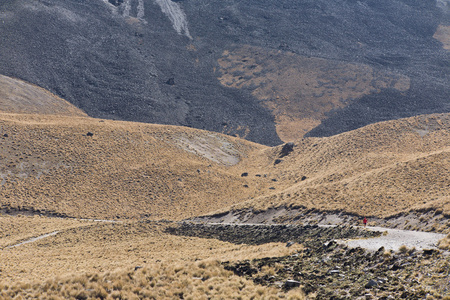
x: 200, y: 280
x: 444, y: 244
x: 403, y: 249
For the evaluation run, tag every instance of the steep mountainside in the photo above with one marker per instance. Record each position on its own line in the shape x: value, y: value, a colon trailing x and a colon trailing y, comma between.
x: 268, y: 71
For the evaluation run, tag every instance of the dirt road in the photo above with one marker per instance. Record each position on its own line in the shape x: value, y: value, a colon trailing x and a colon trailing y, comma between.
x: 395, y: 238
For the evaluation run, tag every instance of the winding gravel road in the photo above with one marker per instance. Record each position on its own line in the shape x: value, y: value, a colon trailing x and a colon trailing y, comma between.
x: 395, y: 238
x: 392, y: 239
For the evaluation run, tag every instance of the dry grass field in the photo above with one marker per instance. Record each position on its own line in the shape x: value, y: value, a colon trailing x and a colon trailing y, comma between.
x: 139, y: 174
x: 66, y: 263
x: 445, y: 243
x: 158, y: 281
x: 131, y: 170
x: 380, y: 170
x: 134, y: 170
x: 123, y: 170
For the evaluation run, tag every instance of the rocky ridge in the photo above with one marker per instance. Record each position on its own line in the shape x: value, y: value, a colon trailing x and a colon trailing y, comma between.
x: 266, y: 71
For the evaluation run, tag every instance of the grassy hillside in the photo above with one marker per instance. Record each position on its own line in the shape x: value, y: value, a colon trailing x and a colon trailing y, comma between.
x: 17, y: 96
x: 381, y: 169
x: 301, y: 91
x: 122, y: 170
x: 141, y: 170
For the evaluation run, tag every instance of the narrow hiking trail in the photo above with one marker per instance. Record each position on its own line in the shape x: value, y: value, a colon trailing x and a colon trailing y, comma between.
x: 89, y: 222
x: 34, y: 239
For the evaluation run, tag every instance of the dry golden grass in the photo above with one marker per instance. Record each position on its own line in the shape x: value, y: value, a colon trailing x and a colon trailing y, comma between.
x: 96, y: 250
x: 14, y: 230
x: 443, y: 35
x: 381, y: 169
x: 131, y: 170
x: 125, y: 169
x: 299, y: 90
x: 445, y: 243
x: 17, y: 96
x: 201, y: 280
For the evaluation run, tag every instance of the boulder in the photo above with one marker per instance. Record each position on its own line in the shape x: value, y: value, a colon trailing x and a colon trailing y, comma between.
x: 287, y: 148
x: 290, y: 243
x: 429, y: 252
x: 291, y: 283
x: 371, y: 284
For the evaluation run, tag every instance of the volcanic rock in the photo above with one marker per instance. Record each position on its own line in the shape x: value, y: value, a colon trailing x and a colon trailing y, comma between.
x: 271, y: 70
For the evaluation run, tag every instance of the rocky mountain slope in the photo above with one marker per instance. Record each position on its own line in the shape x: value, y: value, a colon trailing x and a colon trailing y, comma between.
x: 269, y: 71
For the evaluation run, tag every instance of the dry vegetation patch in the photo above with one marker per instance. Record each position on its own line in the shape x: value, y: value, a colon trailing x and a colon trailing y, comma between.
x: 129, y: 260
x: 443, y: 35
x: 201, y: 280
x: 14, y: 230
x: 133, y: 170
x: 96, y: 247
x: 444, y: 244
x: 380, y: 170
x: 138, y: 173
x: 300, y: 90
x: 123, y: 170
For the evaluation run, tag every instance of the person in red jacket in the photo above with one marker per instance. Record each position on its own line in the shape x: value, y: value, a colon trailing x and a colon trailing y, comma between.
x: 365, y: 221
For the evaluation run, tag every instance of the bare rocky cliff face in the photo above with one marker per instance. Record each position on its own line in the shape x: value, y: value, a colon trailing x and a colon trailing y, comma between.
x: 268, y: 71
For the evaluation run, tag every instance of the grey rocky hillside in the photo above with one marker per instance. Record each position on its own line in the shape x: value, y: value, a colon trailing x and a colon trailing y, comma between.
x: 157, y: 60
